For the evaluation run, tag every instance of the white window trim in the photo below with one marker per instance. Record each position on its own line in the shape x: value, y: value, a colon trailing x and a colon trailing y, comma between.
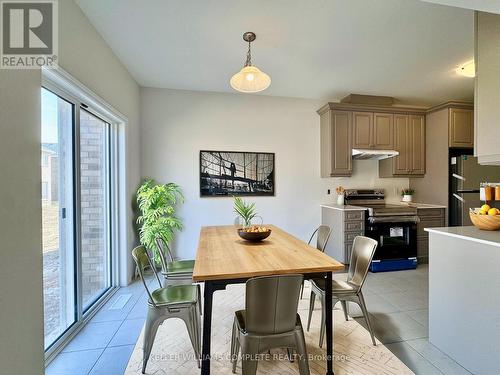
x: 61, y: 82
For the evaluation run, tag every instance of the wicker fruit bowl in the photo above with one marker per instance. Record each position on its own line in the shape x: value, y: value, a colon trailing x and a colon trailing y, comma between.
x: 485, y: 222
x: 254, y: 233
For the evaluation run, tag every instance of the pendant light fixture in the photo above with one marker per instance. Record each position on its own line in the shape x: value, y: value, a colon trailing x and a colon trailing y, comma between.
x: 250, y: 78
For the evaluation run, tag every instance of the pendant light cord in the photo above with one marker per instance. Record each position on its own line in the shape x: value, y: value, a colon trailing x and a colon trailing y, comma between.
x: 249, y: 56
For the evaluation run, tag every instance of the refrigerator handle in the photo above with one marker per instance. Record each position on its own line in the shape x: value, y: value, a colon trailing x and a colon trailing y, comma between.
x: 459, y: 197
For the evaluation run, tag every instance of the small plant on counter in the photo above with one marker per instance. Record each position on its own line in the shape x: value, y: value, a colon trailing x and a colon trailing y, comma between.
x: 407, y: 191
x: 246, y: 211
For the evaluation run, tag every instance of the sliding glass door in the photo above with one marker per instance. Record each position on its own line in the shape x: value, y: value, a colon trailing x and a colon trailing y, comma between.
x: 57, y: 215
x: 76, y: 185
x: 95, y: 204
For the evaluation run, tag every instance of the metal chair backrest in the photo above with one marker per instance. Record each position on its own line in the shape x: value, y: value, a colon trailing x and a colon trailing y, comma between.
x: 143, y: 262
x: 323, y: 233
x: 363, y: 250
x: 165, y: 253
x: 271, y: 303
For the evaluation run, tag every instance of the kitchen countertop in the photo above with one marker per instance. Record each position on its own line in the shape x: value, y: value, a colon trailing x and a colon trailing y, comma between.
x: 469, y: 233
x: 422, y: 205
x: 342, y: 207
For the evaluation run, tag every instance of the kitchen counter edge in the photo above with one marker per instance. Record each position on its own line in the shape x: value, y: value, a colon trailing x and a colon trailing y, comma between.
x: 469, y: 233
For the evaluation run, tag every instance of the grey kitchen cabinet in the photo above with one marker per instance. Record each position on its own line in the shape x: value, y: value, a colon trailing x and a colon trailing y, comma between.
x: 409, y: 141
x: 362, y: 129
x: 336, y: 143
x: 345, y: 225
x: 461, y: 128
x: 373, y: 130
x: 429, y: 218
x: 486, y: 93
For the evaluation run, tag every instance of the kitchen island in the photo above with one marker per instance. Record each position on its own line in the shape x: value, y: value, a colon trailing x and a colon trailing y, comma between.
x: 464, y: 302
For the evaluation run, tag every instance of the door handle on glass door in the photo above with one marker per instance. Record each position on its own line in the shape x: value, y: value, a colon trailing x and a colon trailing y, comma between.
x: 459, y: 197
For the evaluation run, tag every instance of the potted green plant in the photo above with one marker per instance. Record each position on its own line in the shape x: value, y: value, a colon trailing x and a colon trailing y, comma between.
x: 157, y: 213
x: 407, y: 194
x: 246, y: 211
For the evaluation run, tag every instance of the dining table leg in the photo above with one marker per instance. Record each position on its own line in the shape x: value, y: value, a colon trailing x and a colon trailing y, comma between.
x: 207, y: 327
x: 329, y: 324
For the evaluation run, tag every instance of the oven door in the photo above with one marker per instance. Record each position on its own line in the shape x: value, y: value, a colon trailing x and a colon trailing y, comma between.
x: 396, y: 240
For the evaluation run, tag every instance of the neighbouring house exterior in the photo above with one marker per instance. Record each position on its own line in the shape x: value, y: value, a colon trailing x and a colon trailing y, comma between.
x: 50, y: 170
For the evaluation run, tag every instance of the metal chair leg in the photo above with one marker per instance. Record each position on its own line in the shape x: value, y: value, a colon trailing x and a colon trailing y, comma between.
x: 344, y: 307
x: 153, y: 321
x: 323, y: 321
x: 189, y: 319
x: 300, y: 343
x: 312, y: 297
x: 249, y: 361
x: 362, y: 304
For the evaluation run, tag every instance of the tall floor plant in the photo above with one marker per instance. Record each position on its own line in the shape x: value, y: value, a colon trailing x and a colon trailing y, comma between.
x: 157, y: 204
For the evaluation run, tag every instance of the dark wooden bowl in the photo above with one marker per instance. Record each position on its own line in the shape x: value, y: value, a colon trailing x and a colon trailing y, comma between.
x: 253, y: 236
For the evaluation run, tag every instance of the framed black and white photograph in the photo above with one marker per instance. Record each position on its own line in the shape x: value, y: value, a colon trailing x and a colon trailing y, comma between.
x: 224, y: 173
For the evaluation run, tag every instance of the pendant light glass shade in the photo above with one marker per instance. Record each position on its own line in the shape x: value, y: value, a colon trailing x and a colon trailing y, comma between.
x: 250, y: 79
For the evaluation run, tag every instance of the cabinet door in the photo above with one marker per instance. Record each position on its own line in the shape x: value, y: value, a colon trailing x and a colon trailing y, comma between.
x: 383, y: 131
x: 401, y: 165
x: 362, y: 129
x: 461, y: 128
x: 417, y: 141
x: 341, y: 143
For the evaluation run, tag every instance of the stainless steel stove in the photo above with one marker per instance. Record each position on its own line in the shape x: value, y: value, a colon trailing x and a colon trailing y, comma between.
x: 393, y: 226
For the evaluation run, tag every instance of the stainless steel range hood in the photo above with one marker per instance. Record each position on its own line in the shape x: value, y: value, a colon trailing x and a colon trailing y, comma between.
x: 368, y: 154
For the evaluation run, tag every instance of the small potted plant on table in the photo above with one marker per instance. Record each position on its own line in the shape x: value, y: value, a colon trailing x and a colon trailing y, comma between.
x: 247, y: 212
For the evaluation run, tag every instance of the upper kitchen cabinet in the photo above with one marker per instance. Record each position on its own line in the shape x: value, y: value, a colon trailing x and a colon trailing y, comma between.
x: 487, y: 93
x: 336, y: 142
x: 376, y: 125
x: 461, y: 128
x: 409, y: 141
x: 373, y: 130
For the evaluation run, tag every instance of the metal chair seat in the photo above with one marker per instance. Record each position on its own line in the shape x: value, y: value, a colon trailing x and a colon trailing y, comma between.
x: 174, y: 295
x: 241, y: 321
x: 180, y: 267
x: 338, y: 286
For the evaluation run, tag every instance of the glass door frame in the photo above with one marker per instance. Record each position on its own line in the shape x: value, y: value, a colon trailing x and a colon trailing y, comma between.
x: 83, y: 316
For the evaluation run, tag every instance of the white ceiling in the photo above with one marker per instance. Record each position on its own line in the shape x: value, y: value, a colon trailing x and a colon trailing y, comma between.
x: 492, y: 6
x: 321, y: 49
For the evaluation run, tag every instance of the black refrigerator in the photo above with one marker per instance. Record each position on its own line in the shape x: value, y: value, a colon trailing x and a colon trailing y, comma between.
x: 465, y: 178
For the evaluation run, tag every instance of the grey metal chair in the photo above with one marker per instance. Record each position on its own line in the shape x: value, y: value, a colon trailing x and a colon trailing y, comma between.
x: 363, y: 249
x: 270, y: 320
x: 175, y: 271
x: 322, y: 234
x: 180, y: 301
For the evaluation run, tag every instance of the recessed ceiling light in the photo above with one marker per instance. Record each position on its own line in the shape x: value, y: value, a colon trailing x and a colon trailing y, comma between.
x: 467, y: 70
x: 250, y: 78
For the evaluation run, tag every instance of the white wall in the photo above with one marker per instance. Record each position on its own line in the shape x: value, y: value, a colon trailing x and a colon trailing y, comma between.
x: 21, y: 311
x: 83, y: 53
x: 176, y: 125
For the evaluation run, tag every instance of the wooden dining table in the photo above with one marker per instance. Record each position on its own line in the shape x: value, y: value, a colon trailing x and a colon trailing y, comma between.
x: 224, y: 258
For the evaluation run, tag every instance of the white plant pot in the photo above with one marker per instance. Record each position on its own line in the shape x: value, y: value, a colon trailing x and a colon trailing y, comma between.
x: 340, y: 199
x: 407, y: 198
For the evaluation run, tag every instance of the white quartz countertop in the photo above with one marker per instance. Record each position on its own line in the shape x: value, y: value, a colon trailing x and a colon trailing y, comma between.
x: 342, y: 207
x: 423, y: 205
x: 471, y: 233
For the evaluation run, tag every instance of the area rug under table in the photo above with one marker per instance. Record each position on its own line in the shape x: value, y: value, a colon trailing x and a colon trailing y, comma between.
x: 354, y: 353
